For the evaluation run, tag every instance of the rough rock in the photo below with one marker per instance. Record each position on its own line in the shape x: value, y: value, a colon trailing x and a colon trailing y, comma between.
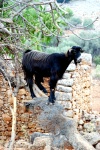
x: 62, y: 88
x: 89, y: 127
x: 52, y: 119
x: 66, y: 82
x: 71, y: 67
x: 93, y: 137
x: 63, y: 96
x: 98, y: 146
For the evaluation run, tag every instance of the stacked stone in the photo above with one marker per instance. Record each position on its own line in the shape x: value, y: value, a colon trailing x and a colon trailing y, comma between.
x: 89, y: 123
x: 26, y: 121
x: 74, y: 90
x: 5, y: 116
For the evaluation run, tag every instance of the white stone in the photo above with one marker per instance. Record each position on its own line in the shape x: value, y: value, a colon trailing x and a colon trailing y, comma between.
x: 93, y: 137
x: 66, y: 82
x: 67, y: 104
x: 86, y: 57
x: 62, y: 88
x: 75, y: 74
x: 71, y: 67
x: 85, y: 67
x: 63, y: 96
x: 66, y: 75
x: 89, y: 127
x: 98, y: 146
x: 81, y: 122
x: 68, y: 113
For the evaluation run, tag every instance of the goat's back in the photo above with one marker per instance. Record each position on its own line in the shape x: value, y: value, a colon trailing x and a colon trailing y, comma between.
x: 35, y: 55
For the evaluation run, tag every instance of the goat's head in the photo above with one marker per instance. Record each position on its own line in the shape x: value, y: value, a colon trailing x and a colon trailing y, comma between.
x: 75, y: 53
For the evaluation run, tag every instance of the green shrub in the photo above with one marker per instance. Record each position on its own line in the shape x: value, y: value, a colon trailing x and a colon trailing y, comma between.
x: 97, y: 60
x: 52, y: 50
x: 91, y: 46
x: 88, y: 21
x: 97, y: 72
x: 75, y: 21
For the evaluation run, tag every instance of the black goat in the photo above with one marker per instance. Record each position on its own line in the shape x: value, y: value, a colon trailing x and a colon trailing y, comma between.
x: 47, y: 65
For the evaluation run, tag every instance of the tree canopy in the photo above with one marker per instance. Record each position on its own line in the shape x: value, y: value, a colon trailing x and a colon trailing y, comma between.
x: 37, y: 25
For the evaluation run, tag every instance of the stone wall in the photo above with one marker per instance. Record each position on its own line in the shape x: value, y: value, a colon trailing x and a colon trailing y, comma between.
x: 73, y: 92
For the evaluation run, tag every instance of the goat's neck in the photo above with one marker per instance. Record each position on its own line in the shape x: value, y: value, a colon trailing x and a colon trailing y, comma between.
x: 69, y: 59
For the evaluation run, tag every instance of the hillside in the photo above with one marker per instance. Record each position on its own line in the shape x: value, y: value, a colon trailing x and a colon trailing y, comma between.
x: 86, y: 9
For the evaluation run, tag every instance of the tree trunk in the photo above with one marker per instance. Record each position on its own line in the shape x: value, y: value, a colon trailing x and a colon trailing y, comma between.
x: 13, y: 133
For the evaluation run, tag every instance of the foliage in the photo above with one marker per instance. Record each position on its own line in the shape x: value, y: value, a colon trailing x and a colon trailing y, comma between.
x: 63, y: 46
x: 97, y: 72
x: 75, y: 20
x: 97, y: 60
x: 36, y: 24
x: 91, y: 46
x: 87, y: 22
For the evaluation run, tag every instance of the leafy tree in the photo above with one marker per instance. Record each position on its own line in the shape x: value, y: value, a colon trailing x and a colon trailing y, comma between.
x: 37, y: 25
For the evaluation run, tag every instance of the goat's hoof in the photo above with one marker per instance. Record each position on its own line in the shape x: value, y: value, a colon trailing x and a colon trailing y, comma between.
x: 49, y: 103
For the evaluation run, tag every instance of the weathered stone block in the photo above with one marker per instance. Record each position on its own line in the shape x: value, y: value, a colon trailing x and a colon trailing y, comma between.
x: 66, y: 75
x: 63, y: 96
x: 98, y: 146
x: 66, y: 105
x: 86, y: 67
x: 89, y: 127
x: 71, y: 67
x: 68, y: 113
x: 66, y: 82
x: 93, y: 137
x: 86, y: 57
x: 62, y: 88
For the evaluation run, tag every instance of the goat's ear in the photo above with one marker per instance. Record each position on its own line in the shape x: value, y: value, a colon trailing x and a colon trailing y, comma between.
x: 69, y: 51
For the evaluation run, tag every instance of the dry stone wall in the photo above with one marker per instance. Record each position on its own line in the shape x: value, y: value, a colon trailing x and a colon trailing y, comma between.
x: 73, y: 92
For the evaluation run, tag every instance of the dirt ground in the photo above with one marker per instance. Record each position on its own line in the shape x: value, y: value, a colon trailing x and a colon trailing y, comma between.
x: 96, y: 95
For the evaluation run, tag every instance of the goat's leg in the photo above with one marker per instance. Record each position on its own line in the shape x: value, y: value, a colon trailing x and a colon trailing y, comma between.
x: 38, y: 81
x: 53, y: 82
x: 30, y: 84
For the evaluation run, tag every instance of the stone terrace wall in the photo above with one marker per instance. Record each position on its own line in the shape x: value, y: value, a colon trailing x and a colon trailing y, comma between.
x: 73, y: 92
